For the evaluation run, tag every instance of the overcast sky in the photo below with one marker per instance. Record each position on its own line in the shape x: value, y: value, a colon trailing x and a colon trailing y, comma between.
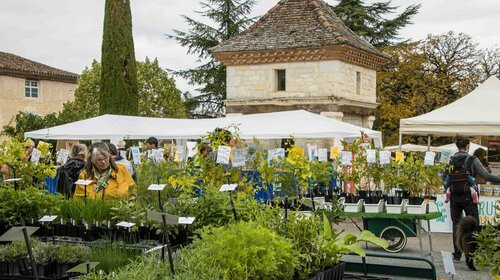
x: 67, y: 33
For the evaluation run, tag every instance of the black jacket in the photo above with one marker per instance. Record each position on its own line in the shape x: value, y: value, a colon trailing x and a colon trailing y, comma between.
x: 68, y: 175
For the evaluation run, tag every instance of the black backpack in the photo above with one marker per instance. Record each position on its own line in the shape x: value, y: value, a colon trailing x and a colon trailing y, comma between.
x: 460, y: 177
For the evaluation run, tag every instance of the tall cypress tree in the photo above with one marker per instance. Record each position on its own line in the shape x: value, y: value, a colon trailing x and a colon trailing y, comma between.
x: 119, y: 94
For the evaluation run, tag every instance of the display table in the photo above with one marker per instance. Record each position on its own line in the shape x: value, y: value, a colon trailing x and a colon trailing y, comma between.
x: 395, y: 228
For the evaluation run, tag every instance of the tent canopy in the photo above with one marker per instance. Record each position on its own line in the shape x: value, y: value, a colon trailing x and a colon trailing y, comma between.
x: 474, y: 114
x: 278, y: 125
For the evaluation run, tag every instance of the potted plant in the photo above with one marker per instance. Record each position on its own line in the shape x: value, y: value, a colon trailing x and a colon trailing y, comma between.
x: 488, y: 247
x: 43, y: 254
x: 67, y: 256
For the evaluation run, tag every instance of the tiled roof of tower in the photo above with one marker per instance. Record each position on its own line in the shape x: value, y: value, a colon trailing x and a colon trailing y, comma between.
x: 296, y: 24
x: 13, y: 65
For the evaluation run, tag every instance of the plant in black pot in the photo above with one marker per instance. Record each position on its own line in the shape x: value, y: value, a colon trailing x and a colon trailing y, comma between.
x: 413, y: 170
x: 43, y: 254
x: 67, y: 256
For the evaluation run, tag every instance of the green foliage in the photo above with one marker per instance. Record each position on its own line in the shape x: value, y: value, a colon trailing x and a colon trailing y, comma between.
x: 488, y: 247
x: 112, y: 255
x: 140, y: 268
x: 30, y: 203
x: 70, y: 253
x: 230, y: 18
x: 243, y: 250
x: 26, y: 121
x: 371, y: 22
x: 119, y: 89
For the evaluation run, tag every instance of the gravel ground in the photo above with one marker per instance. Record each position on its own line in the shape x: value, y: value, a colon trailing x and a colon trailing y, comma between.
x: 440, y: 242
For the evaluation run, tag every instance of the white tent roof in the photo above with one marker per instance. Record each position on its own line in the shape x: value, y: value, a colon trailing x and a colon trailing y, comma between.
x: 474, y: 114
x: 278, y: 125
x: 453, y: 148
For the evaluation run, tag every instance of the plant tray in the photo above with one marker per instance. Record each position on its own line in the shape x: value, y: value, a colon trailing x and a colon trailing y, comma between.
x: 397, y: 208
x: 354, y: 207
x: 375, y: 208
x: 417, y: 209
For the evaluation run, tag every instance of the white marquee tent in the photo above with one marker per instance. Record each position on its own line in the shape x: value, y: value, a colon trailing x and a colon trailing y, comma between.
x: 474, y: 114
x: 278, y: 125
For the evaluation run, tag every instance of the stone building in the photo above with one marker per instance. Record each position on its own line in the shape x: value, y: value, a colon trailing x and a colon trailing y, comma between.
x: 29, y: 86
x: 300, y: 55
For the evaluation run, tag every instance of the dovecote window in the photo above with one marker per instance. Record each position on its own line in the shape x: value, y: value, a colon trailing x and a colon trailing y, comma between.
x: 31, y: 89
x: 280, y: 80
x: 358, y: 83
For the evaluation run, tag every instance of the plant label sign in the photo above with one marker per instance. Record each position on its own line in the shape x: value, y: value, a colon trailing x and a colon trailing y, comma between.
x: 186, y: 220
x: 125, y: 224
x: 449, y: 267
x: 157, y: 154
x: 445, y: 157
x: 13, y: 180
x: 156, y: 187
x: 35, y: 156
x: 228, y: 187
x: 223, y: 154
x: 322, y: 155
x: 385, y: 157
x: 429, y: 158
x: 62, y: 156
x: 48, y: 218
x: 179, y: 154
x: 346, y: 158
x: 83, y: 182
x: 239, y: 157
x: 371, y: 156
x: 192, y: 149
x: 334, y: 152
x: 136, y: 155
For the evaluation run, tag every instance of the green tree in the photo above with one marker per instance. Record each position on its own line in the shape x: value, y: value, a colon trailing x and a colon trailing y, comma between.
x: 230, y: 18
x: 119, y: 90
x: 370, y: 21
x: 26, y: 121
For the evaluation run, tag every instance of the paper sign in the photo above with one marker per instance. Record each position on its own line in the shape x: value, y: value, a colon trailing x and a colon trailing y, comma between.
x: 136, y: 155
x: 322, y: 155
x: 400, y: 157
x: 156, y: 187
x: 157, y: 155
x: 179, y: 154
x: 186, y: 220
x: 445, y: 157
x: 385, y: 157
x: 271, y: 154
x: 13, y: 180
x: 371, y: 156
x: 346, y: 158
x: 449, y: 267
x: 223, y: 153
x: 310, y: 152
x: 35, y: 156
x: 83, y: 182
x: 62, y: 156
x: 239, y: 157
x: 47, y: 218
x: 125, y: 224
x: 334, y: 152
x: 429, y: 158
x: 280, y: 152
x: 228, y: 187
x: 192, y: 149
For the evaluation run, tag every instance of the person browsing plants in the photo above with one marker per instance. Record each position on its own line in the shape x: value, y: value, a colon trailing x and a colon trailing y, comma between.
x: 109, y: 180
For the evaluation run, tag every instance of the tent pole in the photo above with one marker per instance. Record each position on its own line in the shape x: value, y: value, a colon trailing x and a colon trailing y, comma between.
x: 400, y: 141
x: 429, y: 143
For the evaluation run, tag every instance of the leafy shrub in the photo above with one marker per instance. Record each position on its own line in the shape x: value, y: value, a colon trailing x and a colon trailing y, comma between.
x: 244, y: 250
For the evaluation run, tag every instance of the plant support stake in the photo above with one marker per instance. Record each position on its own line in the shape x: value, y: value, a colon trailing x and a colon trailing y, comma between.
x: 30, y: 251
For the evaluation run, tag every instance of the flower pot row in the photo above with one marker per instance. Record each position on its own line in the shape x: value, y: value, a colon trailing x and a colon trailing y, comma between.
x: 22, y: 267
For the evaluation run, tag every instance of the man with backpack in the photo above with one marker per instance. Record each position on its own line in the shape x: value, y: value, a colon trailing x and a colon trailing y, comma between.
x: 461, y: 189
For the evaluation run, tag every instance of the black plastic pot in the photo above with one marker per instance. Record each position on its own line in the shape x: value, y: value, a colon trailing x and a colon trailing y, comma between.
x: 45, y: 270
x: 352, y: 199
x: 394, y: 200
x: 416, y: 200
x: 62, y: 268
x: 362, y: 194
x: 334, y: 273
x: 13, y: 268
x: 4, y: 268
x: 372, y: 199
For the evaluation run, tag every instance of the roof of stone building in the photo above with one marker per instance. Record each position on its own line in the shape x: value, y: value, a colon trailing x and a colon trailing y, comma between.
x: 14, y: 65
x: 296, y: 24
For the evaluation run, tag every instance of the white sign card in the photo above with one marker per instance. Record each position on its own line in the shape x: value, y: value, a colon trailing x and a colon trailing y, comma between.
x: 310, y: 152
x: 346, y: 158
x: 271, y: 154
x: 228, y: 187
x: 83, y: 182
x: 35, y: 156
x: 429, y: 158
x: 449, y: 267
x: 13, y: 180
x: 239, y: 157
x: 156, y: 187
x: 62, y: 156
x: 136, y: 155
x: 371, y: 156
x: 280, y: 152
x: 125, y: 224
x: 192, y: 149
x: 322, y: 155
x: 48, y: 218
x: 179, y: 154
x: 186, y: 220
x: 385, y: 157
x: 223, y: 154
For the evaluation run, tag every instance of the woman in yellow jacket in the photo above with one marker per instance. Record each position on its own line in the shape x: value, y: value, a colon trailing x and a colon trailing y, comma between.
x: 109, y: 180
